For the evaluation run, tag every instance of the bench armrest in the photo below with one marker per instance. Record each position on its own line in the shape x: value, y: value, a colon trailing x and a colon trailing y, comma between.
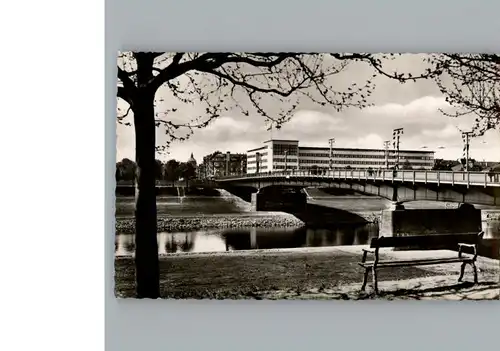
x: 466, y: 245
x: 366, y: 252
x: 461, y: 245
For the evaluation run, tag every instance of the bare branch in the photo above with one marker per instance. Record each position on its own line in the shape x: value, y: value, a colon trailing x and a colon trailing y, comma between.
x: 121, y: 118
x: 224, y: 81
x: 472, y: 85
x: 126, y: 95
x: 124, y: 77
x: 377, y: 64
x: 177, y: 58
x: 178, y: 69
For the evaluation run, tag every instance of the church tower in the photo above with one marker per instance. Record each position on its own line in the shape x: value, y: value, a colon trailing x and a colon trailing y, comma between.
x: 192, y: 161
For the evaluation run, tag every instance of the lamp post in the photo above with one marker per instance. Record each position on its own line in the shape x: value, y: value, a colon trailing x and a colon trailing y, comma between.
x: 331, y: 141
x: 465, y: 137
x: 286, y: 164
x: 386, y: 153
x: 395, y: 143
x: 228, y: 158
x: 257, y: 162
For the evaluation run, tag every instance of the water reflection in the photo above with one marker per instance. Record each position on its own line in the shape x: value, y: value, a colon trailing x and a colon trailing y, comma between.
x: 125, y: 245
x: 252, y: 238
x: 359, y: 235
x: 199, y: 241
x: 491, y: 229
x: 217, y: 240
x: 177, y: 242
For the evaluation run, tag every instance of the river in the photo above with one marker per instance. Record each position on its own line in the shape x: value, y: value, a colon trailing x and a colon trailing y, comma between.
x: 216, y: 240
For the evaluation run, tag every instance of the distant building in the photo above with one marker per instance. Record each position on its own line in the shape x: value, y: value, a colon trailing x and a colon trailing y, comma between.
x: 495, y: 167
x: 221, y: 164
x: 487, y: 164
x: 200, y: 171
x: 277, y: 155
x: 445, y: 165
x: 192, y: 161
x: 474, y: 165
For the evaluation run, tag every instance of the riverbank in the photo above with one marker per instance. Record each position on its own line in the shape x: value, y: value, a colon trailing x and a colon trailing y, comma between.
x: 126, y: 225
x: 307, y: 273
x: 172, y: 218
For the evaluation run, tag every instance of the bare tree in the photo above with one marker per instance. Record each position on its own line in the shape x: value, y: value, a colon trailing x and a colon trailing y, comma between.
x: 470, y: 83
x: 222, y: 82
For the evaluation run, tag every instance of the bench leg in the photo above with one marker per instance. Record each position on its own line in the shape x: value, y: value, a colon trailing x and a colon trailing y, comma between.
x: 462, y: 270
x: 364, y: 280
x: 374, y: 278
x: 473, y: 264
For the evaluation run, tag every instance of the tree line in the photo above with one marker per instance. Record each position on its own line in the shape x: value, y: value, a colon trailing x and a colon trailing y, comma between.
x: 447, y: 165
x: 172, y: 170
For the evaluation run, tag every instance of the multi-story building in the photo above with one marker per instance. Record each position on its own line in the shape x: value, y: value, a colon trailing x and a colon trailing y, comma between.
x: 273, y: 156
x: 278, y: 155
x: 200, y: 171
x: 221, y: 164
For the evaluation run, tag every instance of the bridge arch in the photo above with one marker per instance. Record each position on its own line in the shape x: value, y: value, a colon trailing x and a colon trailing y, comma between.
x: 401, y: 186
x: 244, y: 192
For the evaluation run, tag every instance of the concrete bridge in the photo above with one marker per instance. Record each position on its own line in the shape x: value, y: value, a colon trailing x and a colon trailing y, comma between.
x: 398, y: 186
x: 466, y: 188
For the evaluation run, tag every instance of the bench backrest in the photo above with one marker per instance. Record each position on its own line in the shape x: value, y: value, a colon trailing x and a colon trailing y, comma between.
x: 427, y: 241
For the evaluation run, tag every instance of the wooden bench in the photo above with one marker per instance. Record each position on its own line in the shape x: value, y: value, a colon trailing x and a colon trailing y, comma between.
x: 432, y: 241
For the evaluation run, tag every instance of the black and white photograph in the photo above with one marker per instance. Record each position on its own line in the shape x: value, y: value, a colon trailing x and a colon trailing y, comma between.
x: 307, y: 176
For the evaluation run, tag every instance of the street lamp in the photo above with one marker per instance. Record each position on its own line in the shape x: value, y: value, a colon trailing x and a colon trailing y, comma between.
x: 257, y: 162
x: 286, y: 159
x: 386, y: 153
x: 331, y: 141
x: 228, y: 159
x: 465, y: 138
x: 395, y: 142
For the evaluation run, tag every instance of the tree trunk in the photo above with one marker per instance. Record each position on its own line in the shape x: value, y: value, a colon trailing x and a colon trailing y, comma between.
x: 146, y: 252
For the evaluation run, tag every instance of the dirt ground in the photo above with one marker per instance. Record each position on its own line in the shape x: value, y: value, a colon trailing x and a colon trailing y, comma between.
x: 308, y: 273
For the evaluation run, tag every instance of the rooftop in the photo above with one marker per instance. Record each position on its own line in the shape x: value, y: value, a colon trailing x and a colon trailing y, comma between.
x: 259, y: 148
x: 283, y: 140
x: 338, y: 149
x: 358, y: 149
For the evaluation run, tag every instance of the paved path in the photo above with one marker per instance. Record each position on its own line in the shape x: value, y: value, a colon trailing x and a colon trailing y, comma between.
x: 432, y: 288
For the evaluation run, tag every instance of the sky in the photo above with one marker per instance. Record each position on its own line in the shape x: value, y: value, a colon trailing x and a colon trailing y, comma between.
x: 412, y: 106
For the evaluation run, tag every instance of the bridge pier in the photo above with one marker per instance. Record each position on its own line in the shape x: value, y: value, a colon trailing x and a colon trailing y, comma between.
x: 394, y: 192
x: 398, y: 221
x: 253, y: 238
x: 253, y: 205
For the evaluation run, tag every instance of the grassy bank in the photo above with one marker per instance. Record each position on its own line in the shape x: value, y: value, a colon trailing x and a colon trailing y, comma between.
x: 330, y: 272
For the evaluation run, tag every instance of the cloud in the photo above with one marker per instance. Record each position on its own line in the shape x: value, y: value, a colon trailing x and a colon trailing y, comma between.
x: 424, y: 105
x: 369, y: 141
x: 447, y: 132
x: 311, y: 126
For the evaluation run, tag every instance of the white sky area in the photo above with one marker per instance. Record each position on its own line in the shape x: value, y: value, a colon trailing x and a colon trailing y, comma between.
x: 412, y: 106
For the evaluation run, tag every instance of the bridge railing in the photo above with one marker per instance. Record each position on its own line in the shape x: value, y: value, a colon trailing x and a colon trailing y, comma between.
x: 421, y: 176
x: 167, y: 183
